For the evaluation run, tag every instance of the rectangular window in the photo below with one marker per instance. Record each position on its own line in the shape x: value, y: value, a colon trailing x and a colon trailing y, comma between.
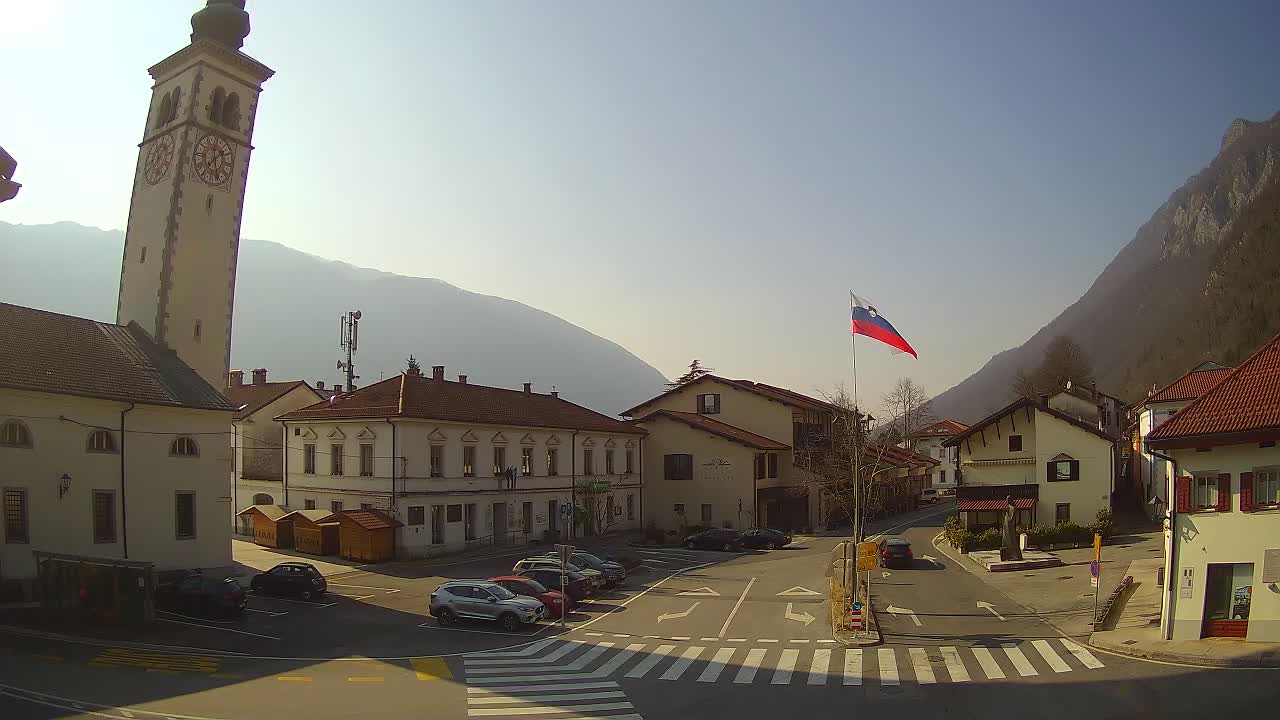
x: 678, y: 508
x: 773, y: 465
x: 608, y: 462
x: 1204, y: 491
x: 677, y: 467
x: 526, y: 461
x: 631, y: 506
x: 335, y: 459
x: 709, y: 404
x: 1063, y: 470
x: 588, y: 462
x: 706, y: 512
x: 15, y: 516
x: 455, y: 513
x: 499, y: 460
x: 760, y: 466
x: 309, y: 459
x: 1062, y: 512
x: 366, y: 460
x: 437, y: 524
x: 104, y: 516
x: 184, y: 515
x: 553, y: 461
x: 468, y: 461
x: 335, y: 506
x: 437, y: 461
x: 1015, y: 443
x: 629, y: 459
x: 366, y: 506
x: 1266, y: 486
x: 942, y: 477
x: 308, y: 504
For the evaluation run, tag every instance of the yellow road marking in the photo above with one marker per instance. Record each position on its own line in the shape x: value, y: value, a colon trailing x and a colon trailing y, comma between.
x: 121, y: 657
x: 431, y: 668
x: 293, y: 678
x: 365, y: 679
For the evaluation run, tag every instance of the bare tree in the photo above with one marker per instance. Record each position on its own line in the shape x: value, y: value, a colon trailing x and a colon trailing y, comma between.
x: 694, y: 372
x: 908, y: 402
x: 1063, y: 360
x: 596, y: 509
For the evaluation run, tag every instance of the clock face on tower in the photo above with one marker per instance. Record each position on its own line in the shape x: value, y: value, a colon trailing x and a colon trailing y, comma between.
x: 159, y: 158
x: 212, y: 160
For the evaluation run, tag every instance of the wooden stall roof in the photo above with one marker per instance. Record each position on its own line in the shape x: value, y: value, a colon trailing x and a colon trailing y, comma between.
x: 365, y: 519
x: 273, y: 513
x: 312, y: 517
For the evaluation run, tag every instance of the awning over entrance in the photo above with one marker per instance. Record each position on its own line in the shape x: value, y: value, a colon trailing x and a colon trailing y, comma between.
x: 994, y: 505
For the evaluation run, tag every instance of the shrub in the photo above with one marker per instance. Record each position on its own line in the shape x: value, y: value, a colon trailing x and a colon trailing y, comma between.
x: 989, y: 539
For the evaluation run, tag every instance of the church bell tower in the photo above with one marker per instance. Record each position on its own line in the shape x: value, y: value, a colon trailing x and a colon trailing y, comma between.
x: 178, y: 276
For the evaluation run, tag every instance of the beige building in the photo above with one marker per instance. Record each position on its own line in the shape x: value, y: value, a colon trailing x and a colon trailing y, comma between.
x: 929, y: 441
x: 1222, y: 532
x: 1056, y: 466
x: 463, y: 465
x: 257, y: 439
x: 726, y: 453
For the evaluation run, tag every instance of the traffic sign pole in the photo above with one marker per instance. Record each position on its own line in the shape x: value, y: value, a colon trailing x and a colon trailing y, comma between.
x: 1095, y: 573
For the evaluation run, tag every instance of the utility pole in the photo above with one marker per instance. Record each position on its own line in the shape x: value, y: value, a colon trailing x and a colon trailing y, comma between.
x: 348, y: 338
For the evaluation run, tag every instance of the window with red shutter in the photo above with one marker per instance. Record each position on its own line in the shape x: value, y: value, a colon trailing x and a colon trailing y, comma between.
x: 1184, y: 494
x: 1224, y: 492
x: 1246, y: 491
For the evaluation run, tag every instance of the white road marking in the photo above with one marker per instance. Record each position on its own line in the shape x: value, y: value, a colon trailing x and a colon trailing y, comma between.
x: 351, y: 597
x: 955, y: 666
x: 703, y: 591
x: 219, y: 629
x: 990, y: 608
x: 1046, y: 651
x: 618, y: 660
x: 594, y: 634
x: 647, y: 664
x: 679, y: 666
x: 803, y: 617
x: 712, y: 671
x: 799, y: 642
x: 767, y: 641
x: 503, y: 699
x: 1085, y: 657
x: 577, y: 665
x: 818, y: 669
x: 552, y: 710
x: 312, y: 603
x: 529, y: 650
x: 709, y: 639
x: 365, y: 587
x: 652, y: 560
x: 621, y: 635
x: 725, y: 628
x: 747, y: 671
x: 888, y: 661
x: 680, y: 637
x: 921, y: 667
x: 988, y: 663
x: 786, y: 666
x: 564, y: 649
x: 825, y: 641
x: 853, y: 666
x: 797, y: 590
x: 741, y: 640
x: 1020, y: 661
x: 265, y: 612
x: 685, y: 614
x: 541, y: 688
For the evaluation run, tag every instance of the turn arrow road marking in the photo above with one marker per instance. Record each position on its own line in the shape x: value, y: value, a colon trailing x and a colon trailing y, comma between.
x: 703, y: 591
x: 672, y: 616
x: 904, y: 611
x: 805, y: 617
x: 797, y: 590
x: 990, y: 608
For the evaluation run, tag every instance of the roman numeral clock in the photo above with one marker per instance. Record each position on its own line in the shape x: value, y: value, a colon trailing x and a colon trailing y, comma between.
x: 212, y: 160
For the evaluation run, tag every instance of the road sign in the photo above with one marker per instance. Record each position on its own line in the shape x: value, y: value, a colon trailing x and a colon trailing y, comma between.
x: 565, y: 552
x: 866, y: 563
x: 1097, y: 547
x: 857, y: 604
x: 867, y: 549
x: 1094, y: 568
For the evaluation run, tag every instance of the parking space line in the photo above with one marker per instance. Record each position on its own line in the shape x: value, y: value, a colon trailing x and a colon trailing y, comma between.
x: 266, y: 612
x: 220, y: 629
x: 311, y: 603
x: 365, y: 587
x: 351, y: 597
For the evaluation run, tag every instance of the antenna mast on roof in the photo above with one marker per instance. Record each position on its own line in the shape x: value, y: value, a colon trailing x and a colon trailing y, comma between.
x: 348, y: 338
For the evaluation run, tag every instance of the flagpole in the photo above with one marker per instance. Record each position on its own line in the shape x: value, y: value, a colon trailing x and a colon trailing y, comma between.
x: 857, y: 423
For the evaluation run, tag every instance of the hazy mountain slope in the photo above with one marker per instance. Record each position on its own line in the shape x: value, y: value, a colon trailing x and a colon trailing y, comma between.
x: 1198, y: 281
x: 287, y: 309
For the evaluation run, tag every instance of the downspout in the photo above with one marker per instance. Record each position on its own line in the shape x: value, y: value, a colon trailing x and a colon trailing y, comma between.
x: 124, y: 502
x: 573, y: 485
x: 642, y: 482
x: 284, y: 450
x: 235, y: 475
x: 1166, y: 629
x: 392, y: 499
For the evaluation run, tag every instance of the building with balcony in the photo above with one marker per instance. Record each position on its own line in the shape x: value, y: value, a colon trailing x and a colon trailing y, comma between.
x: 462, y: 465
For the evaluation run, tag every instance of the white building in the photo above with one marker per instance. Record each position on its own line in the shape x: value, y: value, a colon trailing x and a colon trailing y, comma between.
x: 257, y: 439
x: 1222, y: 543
x: 930, y: 442
x: 463, y: 464
x: 1155, y: 474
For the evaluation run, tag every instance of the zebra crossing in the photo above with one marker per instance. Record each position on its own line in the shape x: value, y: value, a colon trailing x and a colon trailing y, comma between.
x: 576, y: 661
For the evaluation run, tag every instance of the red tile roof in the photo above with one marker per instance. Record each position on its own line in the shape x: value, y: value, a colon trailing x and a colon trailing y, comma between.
x: 996, y: 505
x: 49, y: 352
x: 367, y: 519
x: 1190, y: 386
x: 715, y: 427
x: 901, y: 457
x: 772, y: 392
x: 1246, y: 400
x: 418, y: 396
x: 255, y: 397
x: 942, y: 428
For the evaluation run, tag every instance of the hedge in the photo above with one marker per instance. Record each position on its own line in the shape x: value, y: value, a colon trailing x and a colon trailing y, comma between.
x: 963, y: 539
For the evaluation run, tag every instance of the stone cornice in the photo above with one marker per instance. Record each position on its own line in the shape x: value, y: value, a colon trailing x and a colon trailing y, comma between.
x: 188, y: 55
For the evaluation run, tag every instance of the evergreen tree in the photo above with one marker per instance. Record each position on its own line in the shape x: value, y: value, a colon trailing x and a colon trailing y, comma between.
x: 414, y: 366
x: 695, y: 371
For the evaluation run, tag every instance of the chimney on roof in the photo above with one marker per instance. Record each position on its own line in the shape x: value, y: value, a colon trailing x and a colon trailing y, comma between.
x: 235, y: 378
x: 260, y: 376
x: 555, y: 393
x: 337, y: 388
x: 528, y: 387
x: 462, y: 379
x: 319, y: 384
x: 437, y: 372
x: 413, y: 371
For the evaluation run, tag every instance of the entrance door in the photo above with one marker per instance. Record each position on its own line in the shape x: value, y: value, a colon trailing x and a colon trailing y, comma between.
x: 553, y: 516
x: 500, y: 523
x: 1227, y: 597
x: 528, y: 518
x: 469, y: 521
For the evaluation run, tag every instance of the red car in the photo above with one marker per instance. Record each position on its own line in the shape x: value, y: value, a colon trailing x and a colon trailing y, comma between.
x: 551, y: 599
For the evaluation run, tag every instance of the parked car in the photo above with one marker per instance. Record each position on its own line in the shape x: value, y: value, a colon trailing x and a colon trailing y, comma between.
x: 302, y: 580
x: 715, y: 539
x: 946, y: 492
x: 202, y: 595
x: 930, y: 495
x: 576, y: 584
x: 483, y: 600
x: 766, y: 538
x: 553, y: 600
x: 614, y: 574
x: 895, y: 552
x: 594, y: 577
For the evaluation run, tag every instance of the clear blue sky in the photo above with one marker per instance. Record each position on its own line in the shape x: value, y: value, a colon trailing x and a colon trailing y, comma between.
x: 700, y: 179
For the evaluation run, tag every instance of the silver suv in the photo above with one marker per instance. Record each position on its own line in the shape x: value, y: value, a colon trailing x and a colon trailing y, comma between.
x: 483, y: 600
x: 595, y: 577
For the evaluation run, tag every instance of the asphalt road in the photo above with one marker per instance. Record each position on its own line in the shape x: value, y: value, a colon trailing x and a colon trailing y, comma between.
x: 725, y: 638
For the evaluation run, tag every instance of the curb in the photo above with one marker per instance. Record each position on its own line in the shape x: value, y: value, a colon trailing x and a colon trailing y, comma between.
x: 1172, y: 657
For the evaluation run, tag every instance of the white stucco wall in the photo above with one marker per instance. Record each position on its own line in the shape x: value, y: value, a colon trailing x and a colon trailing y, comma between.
x: 722, y: 475
x: 152, y: 478
x: 1233, y: 537
x: 1089, y: 494
x: 739, y: 408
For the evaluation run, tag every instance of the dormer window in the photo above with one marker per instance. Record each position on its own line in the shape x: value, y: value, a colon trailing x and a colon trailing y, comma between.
x: 709, y: 404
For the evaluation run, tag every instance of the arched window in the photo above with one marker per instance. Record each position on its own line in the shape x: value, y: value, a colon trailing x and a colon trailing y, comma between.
x: 176, y: 106
x: 215, y: 105
x: 183, y: 446
x: 14, y: 433
x: 231, y: 112
x: 102, y: 441
x: 262, y: 499
x: 166, y: 107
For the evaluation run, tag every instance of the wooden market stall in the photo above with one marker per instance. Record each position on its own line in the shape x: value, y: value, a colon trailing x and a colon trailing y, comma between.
x: 271, y: 528
x: 313, y: 533
x: 366, y: 535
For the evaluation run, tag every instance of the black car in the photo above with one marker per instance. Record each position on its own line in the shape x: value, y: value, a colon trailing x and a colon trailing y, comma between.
x: 766, y: 538
x: 614, y: 573
x: 577, y: 585
x: 895, y: 552
x: 201, y: 595
x: 301, y: 580
x: 715, y: 539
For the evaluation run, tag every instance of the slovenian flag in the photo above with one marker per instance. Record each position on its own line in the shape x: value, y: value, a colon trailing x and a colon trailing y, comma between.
x: 867, y: 321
